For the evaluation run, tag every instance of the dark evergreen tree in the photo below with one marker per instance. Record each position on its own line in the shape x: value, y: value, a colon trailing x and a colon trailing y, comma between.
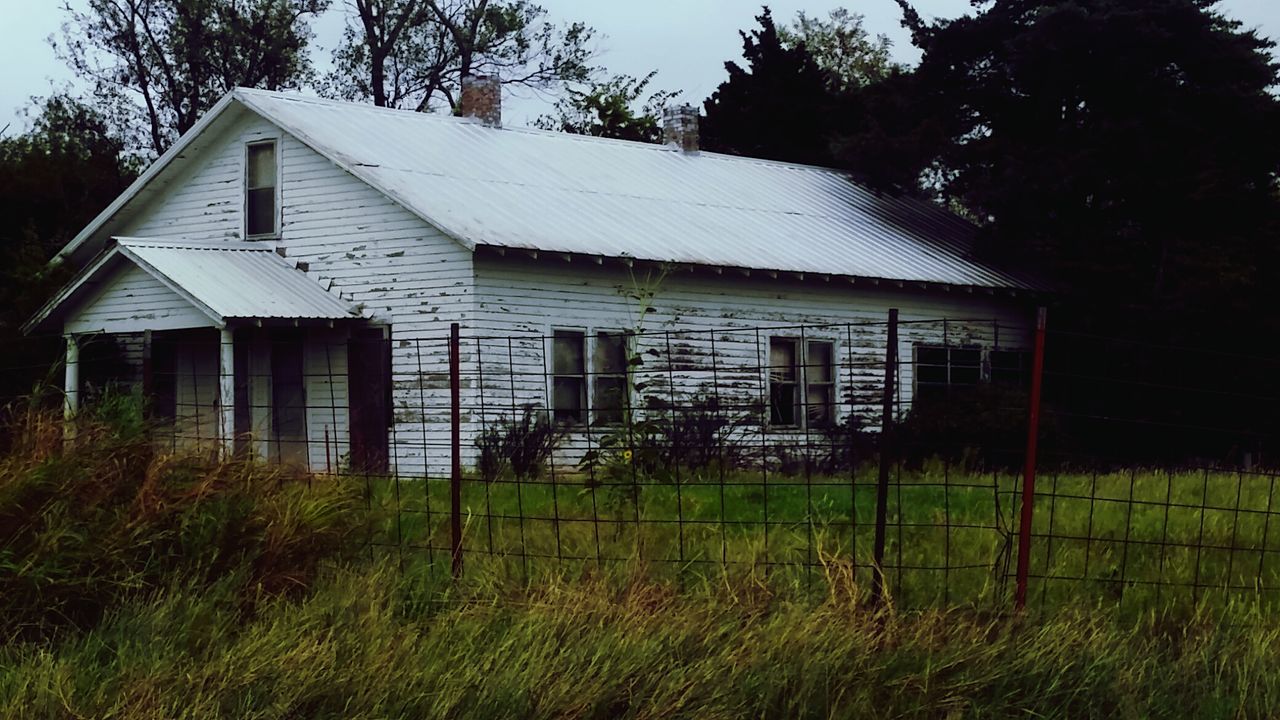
x: 53, y: 180
x: 1125, y: 149
x: 777, y: 107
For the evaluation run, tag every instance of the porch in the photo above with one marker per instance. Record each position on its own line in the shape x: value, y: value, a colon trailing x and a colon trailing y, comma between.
x: 237, y: 350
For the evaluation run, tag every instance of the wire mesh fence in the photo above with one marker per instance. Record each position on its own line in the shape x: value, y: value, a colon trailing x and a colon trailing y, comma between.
x: 892, y: 452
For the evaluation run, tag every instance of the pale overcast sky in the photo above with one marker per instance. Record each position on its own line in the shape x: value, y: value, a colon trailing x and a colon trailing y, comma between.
x: 686, y: 41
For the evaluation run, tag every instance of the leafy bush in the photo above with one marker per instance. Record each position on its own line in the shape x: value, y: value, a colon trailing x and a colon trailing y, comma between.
x: 981, y: 427
x: 521, y: 446
x: 672, y: 438
x: 838, y: 449
x: 89, y: 522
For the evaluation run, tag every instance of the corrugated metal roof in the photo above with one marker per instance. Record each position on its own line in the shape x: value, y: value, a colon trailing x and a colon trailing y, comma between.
x: 237, y: 280
x: 554, y: 192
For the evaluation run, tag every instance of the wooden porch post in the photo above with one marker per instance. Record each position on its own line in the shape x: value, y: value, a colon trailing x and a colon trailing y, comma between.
x: 227, y: 392
x: 71, y: 382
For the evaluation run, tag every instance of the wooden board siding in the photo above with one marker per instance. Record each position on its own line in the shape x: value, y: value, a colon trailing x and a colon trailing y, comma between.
x: 131, y: 300
x: 708, y: 335
x: 403, y: 272
x: 407, y: 275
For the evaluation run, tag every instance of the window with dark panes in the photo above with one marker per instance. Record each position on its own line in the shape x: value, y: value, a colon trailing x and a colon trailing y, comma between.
x: 939, y: 370
x: 609, y: 364
x: 1010, y: 368
x: 568, y: 376
x: 802, y: 387
x: 819, y: 384
x: 784, y: 377
x: 260, y: 190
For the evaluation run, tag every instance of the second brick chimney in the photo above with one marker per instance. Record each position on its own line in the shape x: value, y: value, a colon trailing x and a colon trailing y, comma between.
x: 680, y: 127
x: 482, y: 99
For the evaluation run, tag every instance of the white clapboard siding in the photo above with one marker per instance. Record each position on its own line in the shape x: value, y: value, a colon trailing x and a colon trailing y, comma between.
x: 406, y: 274
x: 131, y: 300
x: 402, y: 272
x: 708, y: 335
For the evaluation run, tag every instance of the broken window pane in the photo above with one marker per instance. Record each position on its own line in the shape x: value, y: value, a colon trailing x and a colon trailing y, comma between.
x: 819, y: 362
x: 567, y: 396
x: 568, y: 355
x: 966, y: 366
x: 783, y: 389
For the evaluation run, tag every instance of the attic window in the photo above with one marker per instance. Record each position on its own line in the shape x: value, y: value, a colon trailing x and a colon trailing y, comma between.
x: 260, y: 190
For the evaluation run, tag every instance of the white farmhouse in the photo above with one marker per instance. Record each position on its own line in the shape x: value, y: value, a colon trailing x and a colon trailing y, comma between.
x: 283, y: 280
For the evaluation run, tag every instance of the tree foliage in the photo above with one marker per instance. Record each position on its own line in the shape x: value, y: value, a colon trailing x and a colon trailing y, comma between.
x: 160, y: 64
x: 1126, y: 149
x: 777, y: 107
x: 620, y: 107
x: 839, y: 45
x: 53, y: 180
x: 412, y: 54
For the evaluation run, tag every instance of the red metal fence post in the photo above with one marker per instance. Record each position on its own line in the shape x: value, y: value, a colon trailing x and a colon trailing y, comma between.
x: 1029, y: 468
x: 886, y: 458
x: 455, y: 448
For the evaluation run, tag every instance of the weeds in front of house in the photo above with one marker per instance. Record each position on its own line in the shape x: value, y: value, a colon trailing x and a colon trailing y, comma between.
x: 93, y: 521
x: 143, y: 585
x: 372, y: 641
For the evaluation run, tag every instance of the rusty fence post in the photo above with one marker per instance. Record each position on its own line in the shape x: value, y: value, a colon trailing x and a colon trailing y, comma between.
x: 455, y: 448
x: 1029, y: 466
x: 878, y: 590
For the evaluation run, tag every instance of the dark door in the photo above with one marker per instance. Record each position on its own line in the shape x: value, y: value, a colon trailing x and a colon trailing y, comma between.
x: 288, y: 398
x: 369, y: 390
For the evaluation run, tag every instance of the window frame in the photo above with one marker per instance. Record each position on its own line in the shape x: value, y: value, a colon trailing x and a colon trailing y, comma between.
x: 832, y: 383
x: 986, y: 373
x: 597, y: 374
x: 590, y: 334
x: 802, y: 382
x: 584, y: 393
x: 1021, y: 374
x: 276, y: 215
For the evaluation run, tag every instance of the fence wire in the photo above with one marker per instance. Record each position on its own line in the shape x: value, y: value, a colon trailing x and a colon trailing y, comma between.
x: 751, y: 450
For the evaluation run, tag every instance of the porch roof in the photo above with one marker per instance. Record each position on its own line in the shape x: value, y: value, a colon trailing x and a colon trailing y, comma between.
x: 222, y: 280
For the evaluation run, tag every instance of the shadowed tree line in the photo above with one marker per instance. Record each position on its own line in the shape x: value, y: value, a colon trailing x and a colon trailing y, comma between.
x: 1124, y: 151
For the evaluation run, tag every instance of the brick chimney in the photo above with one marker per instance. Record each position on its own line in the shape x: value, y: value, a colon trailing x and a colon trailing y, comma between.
x: 680, y: 127
x: 482, y: 99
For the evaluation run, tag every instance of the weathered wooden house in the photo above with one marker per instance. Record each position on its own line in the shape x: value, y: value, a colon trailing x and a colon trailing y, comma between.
x: 284, y: 277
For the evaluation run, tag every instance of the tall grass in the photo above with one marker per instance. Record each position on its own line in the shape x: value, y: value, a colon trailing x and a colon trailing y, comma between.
x: 88, y: 522
x: 142, y: 585
x: 365, y: 644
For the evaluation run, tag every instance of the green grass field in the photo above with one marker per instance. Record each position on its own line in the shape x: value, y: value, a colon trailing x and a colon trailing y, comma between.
x: 1138, y: 538
x: 136, y: 585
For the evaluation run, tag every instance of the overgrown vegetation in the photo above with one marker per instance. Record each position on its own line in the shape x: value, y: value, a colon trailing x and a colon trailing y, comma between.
x: 372, y: 642
x: 140, y: 585
x: 519, y: 446
x: 103, y: 519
